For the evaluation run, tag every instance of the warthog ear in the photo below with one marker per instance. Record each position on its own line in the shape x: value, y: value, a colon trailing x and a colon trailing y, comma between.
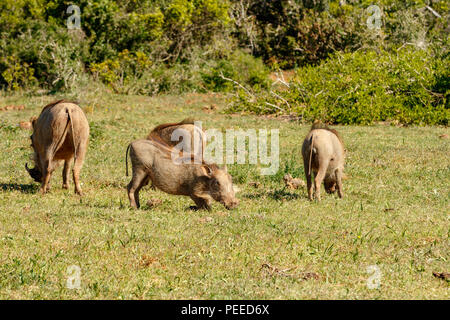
x: 33, y: 121
x: 207, y: 170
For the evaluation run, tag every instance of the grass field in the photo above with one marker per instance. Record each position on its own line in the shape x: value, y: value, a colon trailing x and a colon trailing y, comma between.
x: 275, y: 245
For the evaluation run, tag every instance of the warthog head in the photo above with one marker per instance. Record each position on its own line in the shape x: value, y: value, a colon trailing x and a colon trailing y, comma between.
x: 220, y: 186
x: 35, y: 172
x: 330, y: 184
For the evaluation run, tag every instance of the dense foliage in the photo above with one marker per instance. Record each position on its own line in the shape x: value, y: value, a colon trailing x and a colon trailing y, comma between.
x: 156, y: 46
x: 363, y: 87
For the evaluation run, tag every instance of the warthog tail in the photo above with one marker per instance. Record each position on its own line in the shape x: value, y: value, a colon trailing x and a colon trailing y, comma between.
x: 311, y: 144
x: 126, y: 159
x: 69, y: 115
x: 64, y: 134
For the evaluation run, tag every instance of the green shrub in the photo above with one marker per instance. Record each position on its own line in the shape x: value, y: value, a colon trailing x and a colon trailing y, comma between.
x: 310, y: 39
x: 408, y: 86
x: 295, y: 33
x: 177, y: 78
x: 191, y: 44
x: 122, y: 73
x: 239, y: 66
x: 16, y: 74
x: 55, y: 54
x: 191, y: 24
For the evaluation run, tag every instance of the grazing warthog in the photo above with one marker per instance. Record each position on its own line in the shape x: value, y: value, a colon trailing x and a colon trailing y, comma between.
x: 203, y: 182
x: 323, y: 153
x: 61, y: 132
x: 193, y: 137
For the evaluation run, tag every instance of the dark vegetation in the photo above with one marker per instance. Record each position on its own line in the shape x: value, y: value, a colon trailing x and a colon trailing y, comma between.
x: 345, y: 71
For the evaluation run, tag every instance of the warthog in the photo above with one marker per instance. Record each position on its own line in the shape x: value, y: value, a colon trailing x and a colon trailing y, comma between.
x: 203, y: 182
x: 61, y: 132
x: 193, y: 138
x: 323, y: 153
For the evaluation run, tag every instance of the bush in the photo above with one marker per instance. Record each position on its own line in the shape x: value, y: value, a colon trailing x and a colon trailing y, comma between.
x: 190, y: 24
x: 122, y: 73
x: 289, y: 33
x: 16, y: 74
x: 174, y: 79
x: 193, y: 44
x: 241, y: 67
x: 409, y: 86
x: 134, y: 73
x: 168, y: 33
x: 55, y: 55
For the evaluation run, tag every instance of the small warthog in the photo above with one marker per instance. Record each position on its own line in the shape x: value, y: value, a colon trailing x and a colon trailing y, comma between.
x: 323, y: 153
x: 61, y: 132
x: 203, y: 182
x: 193, y: 137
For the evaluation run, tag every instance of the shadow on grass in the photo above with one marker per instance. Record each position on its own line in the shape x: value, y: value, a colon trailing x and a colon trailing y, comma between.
x: 24, y: 188
x: 281, y: 194
x: 255, y: 195
x: 109, y: 184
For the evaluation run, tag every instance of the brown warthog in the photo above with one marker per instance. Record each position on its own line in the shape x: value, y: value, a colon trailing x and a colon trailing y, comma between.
x: 193, y: 137
x: 323, y: 153
x: 61, y: 132
x: 203, y: 182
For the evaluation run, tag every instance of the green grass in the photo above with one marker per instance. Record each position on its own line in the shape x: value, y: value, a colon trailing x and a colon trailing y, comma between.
x: 395, y: 214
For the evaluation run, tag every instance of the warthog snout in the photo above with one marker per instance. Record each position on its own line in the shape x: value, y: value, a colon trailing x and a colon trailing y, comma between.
x: 330, y: 185
x: 35, y: 173
x: 221, y: 187
x: 231, y: 204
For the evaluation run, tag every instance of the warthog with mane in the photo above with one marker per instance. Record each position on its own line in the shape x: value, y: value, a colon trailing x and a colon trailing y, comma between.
x: 203, y: 182
x: 193, y: 137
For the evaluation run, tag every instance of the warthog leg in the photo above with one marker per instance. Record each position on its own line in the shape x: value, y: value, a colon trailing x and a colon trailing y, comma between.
x: 308, y: 173
x: 339, y: 183
x: 201, y: 203
x: 78, y: 164
x: 318, y: 179
x: 46, y: 175
x: 144, y: 182
x: 66, y: 173
x: 135, y: 185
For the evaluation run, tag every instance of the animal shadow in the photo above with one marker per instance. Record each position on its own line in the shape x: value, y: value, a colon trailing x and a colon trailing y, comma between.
x: 281, y: 194
x: 24, y: 188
